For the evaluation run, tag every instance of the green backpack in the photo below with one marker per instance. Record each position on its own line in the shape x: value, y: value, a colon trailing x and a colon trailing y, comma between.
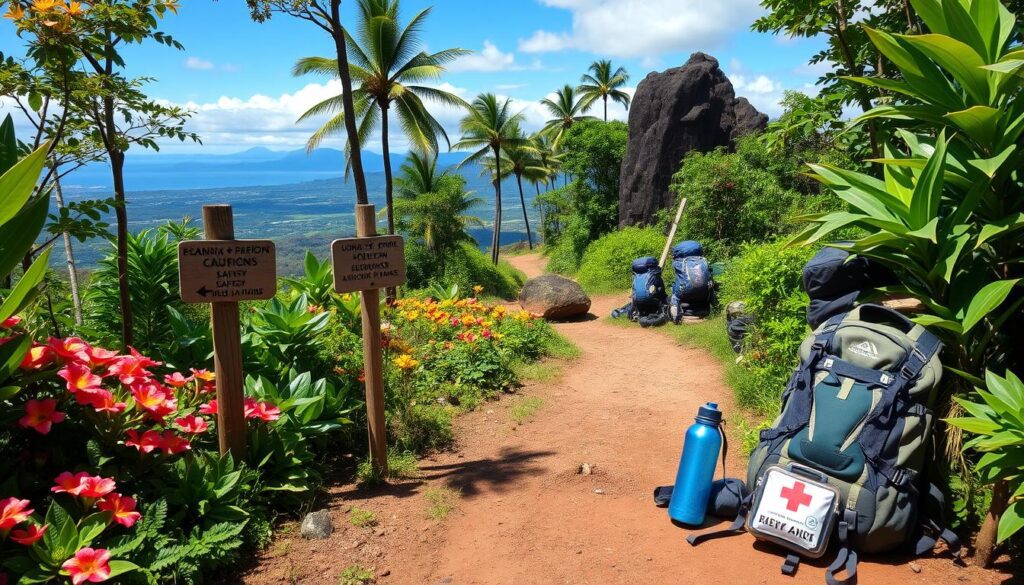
x: 857, y: 416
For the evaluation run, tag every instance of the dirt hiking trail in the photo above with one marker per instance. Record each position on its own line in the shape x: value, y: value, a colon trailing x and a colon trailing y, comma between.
x: 526, y: 516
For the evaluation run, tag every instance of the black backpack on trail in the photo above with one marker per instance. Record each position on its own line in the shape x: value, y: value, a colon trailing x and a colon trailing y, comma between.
x: 846, y: 458
x: 693, y: 290
x: 648, y: 299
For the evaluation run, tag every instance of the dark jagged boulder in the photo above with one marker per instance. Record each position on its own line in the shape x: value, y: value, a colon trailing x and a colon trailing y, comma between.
x: 554, y: 297
x: 693, y: 107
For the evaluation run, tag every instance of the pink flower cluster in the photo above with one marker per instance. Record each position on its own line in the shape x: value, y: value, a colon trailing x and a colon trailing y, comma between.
x: 101, y: 491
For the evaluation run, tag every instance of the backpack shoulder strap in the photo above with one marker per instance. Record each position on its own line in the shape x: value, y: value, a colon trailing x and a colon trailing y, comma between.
x: 738, y: 526
x: 846, y: 558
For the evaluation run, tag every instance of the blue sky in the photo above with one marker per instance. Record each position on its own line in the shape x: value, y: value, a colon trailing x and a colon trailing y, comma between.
x: 236, y: 75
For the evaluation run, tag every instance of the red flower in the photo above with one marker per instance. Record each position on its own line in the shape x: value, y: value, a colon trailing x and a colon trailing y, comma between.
x: 146, y: 443
x: 10, y: 322
x: 121, y: 507
x: 72, y: 349
x: 177, y: 380
x: 204, y: 375
x: 103, y: 401
x: 13, y: 512
x: 69, y: 483
x: 37, y: 358
x: 172, y: 444
x: 264, y: 411
x: 41, y: 415
x: 101, y: 357
x: 132, y: 368
x: 192, y: 424
x: 30, y: 535
x: 209, y: 408
x: 80, y: 378
x: 154, y: 399
x: 88, y: 564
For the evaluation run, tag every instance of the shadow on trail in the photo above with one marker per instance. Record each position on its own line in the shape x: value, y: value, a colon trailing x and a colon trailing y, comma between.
x: 497, y: 473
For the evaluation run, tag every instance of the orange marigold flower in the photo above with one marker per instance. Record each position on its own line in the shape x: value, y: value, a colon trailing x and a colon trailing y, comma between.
x: 406, y: 362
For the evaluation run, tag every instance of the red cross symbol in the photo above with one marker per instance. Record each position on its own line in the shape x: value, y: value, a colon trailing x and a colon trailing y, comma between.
x: 796, y: 497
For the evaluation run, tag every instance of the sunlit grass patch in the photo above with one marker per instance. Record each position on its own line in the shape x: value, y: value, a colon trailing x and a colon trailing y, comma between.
x: 523, y: 409
x: 361, y: 517
x: 441, y: 501
x: 356, y: 575
x: 401, y: 465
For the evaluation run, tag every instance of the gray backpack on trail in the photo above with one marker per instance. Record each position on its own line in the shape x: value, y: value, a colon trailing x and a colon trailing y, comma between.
x: 854, y: 433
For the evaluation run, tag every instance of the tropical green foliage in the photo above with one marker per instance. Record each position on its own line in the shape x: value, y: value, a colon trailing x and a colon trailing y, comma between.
x: 434, y: 209
x: 997, y: 424
x: 566, y: 108
x: 605, y: 266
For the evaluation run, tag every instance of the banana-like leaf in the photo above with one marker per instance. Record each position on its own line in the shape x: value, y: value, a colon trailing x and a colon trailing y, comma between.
x: 12, y: 352
x: 918, y: 70
x: 1002, y: 227
x: 1005, y: 390
x: 21, y: 232
x: 864, y: 192
x: 936, y: 321
x: 974, y: 380
x: 987, y: 300
x: 990, y: 166
x: 979, y: 122
x: 956, y: 57
x: 950, y: 251
x: 17, y: 184
x: 25, y: 290
x: 928, y: 192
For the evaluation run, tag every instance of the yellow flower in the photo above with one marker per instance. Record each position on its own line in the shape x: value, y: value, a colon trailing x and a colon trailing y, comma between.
x: 499, y: 311
x: 478, y: 289
x: 406, y: 362
x: 74, y: 8
x: 171, y: 5
x: 15, y: 12
x: 45, y: 5
x: 411, y: 315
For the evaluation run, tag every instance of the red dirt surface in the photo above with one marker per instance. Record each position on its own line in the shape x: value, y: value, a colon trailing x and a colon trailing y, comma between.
x: 526, y: 516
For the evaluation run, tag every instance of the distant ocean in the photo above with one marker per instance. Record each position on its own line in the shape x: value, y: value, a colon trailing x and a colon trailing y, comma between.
x: 300, y: 201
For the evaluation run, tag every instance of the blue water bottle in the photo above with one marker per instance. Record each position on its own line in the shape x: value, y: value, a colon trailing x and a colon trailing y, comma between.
x: 697, y: 467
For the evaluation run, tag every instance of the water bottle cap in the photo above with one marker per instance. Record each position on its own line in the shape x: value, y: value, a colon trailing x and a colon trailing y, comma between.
x: 709, y: 414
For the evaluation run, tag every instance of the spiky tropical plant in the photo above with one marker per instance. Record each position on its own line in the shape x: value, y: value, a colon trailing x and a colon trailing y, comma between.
x: 604, y: 83
x: 567, y: 108
x: 489, y: 127
x: 948, y: 215
x: 388, y: 70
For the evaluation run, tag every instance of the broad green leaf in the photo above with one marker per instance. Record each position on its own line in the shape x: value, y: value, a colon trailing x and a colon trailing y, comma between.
x: 935, y: 321
x: 864, y: 192
x: 61, y: 539
x: 91, y: 527
x: 1000, y: 228
x: 1005, y: 390
x: 12, y: 352
x: 121, y: 567
x: 1012, y: 521
x: 979, y: 122
x: 8, y: 392
x: 950, y: 251
x: 21, y: 232
x: 924, y: 207
x: 8, y: 145
x: 18, y: 183
x: 991, y: 166
x: 957, y: 58
x: 1003, y: 411
x: 974, y: 380
x: 977, y: 426
x: 26, y: 287
x: 931, y: 13
x: 987, y: 300
x: 918, y: 70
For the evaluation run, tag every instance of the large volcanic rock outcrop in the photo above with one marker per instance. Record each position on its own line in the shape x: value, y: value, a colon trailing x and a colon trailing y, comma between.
x: 692, y: 107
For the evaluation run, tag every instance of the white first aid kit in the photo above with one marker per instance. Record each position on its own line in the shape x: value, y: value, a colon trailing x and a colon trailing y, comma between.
x: 795, y: 508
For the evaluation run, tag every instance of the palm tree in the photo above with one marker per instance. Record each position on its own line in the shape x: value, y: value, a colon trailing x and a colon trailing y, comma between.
x: 602, y: 83
x: 489, y: 126
x: 434, y: 207
x: 523, y: 161
x: 550, y: 158
x: 567, y: 109
x: 387, y: 66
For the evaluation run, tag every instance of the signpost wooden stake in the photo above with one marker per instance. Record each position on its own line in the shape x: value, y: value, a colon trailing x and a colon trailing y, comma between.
x: 366, y: 226
x: 672, y: 232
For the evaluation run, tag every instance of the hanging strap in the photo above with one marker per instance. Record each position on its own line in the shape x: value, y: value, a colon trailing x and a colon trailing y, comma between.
x: 790, y: 565
x: 846, y: 558
x: 737, y: 526
x: 934, y: 527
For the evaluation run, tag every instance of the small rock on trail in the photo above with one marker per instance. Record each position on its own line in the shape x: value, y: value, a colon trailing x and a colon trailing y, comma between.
x: 317, y: 525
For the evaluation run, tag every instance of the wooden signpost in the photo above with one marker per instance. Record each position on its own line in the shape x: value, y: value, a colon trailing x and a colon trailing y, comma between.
x: 222, y: 271
x: 368, y: 263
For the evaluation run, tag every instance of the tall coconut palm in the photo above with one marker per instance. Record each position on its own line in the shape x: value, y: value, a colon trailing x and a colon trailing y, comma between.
x: 388, y: 68
x: 418, y: 174
x: 489, y: 127
x: 603, y: 83
x: 567, y: 108
x: 524, y: 162
x: 550, y: 158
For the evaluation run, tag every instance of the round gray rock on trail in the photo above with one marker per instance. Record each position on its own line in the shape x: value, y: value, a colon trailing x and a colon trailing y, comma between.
x: 554, y: 297
x: 317, y: 525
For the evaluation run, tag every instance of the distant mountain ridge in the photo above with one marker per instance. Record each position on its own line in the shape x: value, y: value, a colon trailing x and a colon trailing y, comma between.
x: 253, y: 167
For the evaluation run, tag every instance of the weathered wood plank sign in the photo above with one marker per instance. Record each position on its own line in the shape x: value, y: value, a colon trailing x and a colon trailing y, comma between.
x: 232, y: 270
x: 222, y: 271
x: 368, y: 263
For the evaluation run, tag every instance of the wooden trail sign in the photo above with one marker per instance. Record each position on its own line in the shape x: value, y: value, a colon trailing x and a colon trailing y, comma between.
x: 368, y: 263
x: 222, y: 271
x: 232, y: 270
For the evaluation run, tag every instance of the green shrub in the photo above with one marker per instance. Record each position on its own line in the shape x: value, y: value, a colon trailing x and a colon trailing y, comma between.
x: 767, y: 277
x: 606, y: 264
x: 465, y: 266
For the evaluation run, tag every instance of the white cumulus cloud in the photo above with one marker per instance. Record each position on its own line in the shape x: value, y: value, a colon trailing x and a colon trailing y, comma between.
x: 197, y: 64
x: 490, y: 59
x: 644, y: 28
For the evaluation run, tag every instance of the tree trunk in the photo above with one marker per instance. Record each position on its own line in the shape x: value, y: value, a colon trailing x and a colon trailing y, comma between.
x: 854, y: 69
x: 121, y: 213
x: 69, y: 253
x: 355, y: 155
x: 496, y: 239
x: 526, y: 218
x: 391, y: 292
x: 605, y: 108
x: 985, y: 549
